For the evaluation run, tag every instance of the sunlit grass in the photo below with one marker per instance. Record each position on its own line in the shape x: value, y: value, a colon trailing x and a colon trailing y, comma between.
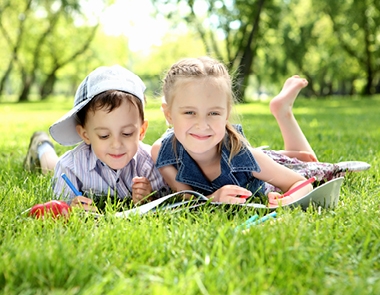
x: 334, y: 251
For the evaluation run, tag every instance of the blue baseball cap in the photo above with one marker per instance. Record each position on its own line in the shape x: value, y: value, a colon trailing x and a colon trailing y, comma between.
x: 98, y: 81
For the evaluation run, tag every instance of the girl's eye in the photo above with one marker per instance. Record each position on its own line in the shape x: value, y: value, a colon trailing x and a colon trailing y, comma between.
x: 214, y: 113
x: 103, y: 136
x: 189, y: 113
x: 127, y: 134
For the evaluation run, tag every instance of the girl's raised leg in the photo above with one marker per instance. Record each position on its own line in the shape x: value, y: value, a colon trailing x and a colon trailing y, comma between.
x: 281, y: 106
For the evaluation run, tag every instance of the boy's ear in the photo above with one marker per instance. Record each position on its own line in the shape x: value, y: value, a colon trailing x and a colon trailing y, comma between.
x: 167, y: 113
x: 82, y: 133
x: 143, y: 129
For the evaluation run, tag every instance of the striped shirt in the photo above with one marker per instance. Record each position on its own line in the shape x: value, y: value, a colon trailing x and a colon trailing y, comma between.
x: 94, y: 178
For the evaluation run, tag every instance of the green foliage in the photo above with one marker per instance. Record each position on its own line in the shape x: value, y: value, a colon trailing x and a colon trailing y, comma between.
x: 333, y: 44
x: 49, y: 46
x: 332, y: 251
x: 40, y: 38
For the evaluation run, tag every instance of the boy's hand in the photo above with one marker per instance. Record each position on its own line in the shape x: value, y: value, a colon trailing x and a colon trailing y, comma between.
x: 84, y: 203
x: 229, y: 194
x: 140, y: 189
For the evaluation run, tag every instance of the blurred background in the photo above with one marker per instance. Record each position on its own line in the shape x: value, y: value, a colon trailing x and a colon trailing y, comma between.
x: 49, y: 46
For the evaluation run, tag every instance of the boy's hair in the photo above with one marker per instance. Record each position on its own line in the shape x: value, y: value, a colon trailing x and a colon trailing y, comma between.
x: 99, y: 81
x: 109, y: 100
x: 204, y: 68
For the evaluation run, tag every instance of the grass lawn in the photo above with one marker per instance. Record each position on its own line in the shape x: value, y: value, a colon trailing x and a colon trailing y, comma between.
x: 333, y: 251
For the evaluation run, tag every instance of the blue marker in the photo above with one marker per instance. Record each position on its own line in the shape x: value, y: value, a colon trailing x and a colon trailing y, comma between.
x: 253, y: 220
x: 70, y: 184
x: 263, y: 219
x: 248, y: 221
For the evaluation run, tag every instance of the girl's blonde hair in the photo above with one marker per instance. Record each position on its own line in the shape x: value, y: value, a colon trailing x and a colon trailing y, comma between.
x: 202, y: 68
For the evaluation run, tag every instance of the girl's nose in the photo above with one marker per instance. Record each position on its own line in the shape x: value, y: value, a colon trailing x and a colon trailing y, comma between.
x: 203, y: 123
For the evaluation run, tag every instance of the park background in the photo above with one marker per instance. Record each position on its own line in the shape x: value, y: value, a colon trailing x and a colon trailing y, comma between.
x: 47, y: 49
x: 49, y: 46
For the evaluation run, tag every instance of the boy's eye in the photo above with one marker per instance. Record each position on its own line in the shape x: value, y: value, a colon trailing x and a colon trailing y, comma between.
x: 103, y: 136
x: 189, y: 113
x: 214, y: 113
x: 128, y: 134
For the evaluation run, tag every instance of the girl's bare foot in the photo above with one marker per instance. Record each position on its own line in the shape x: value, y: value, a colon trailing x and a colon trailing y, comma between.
x: 281, y: 105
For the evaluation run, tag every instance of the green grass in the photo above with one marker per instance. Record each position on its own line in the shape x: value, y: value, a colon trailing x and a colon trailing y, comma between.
x: 335, y: 251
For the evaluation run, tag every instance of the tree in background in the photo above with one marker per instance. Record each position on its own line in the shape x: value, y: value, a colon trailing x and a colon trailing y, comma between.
x: 356, y: 25
x: 335, y: 45
x: 230, y: 30
x: 48, y: 45
x: 42, y: 37
x: 303, y: 43
x: 151, y: 68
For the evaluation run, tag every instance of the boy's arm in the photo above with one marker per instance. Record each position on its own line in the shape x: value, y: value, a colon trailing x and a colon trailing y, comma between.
x: 62, y: 191
x: 60, y: 188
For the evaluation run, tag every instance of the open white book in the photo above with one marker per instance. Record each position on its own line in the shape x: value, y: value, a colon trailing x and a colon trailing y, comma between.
x: 326, y: 196
x: 196, y: 202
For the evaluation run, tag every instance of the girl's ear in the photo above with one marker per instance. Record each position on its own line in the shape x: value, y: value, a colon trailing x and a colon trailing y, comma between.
x: 143, y: 129
x: 167, y: 113
x: 82, y: 133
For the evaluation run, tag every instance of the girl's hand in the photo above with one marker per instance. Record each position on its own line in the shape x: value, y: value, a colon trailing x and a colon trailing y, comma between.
x: 229, y: 194
x: 140, y: 189
x: 84, y: 203
x: 300, y: 189
x: 276, y: 199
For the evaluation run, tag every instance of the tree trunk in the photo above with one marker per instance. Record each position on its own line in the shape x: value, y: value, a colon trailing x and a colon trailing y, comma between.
x: 368, y: 57
x: 48, y: 85
x: 27, y: 85
x: 246, y: 61
x: 4, y: 78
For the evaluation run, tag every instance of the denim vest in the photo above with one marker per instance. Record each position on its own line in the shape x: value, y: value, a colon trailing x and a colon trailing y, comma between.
x: 238, y: 171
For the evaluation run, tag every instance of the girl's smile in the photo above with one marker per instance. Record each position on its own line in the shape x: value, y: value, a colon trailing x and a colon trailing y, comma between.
x: 200, y: 137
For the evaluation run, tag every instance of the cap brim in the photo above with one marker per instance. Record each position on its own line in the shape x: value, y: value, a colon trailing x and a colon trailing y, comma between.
x: 64, y: 130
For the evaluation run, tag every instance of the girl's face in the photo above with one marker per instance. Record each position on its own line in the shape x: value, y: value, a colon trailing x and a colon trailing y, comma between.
x: 114, y: 136
x: 199, y: 115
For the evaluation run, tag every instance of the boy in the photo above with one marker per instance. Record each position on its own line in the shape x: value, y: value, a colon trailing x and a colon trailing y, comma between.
x: 108, y: 117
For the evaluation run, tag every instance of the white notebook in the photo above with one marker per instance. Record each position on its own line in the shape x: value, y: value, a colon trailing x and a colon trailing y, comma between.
x: 326, y: 196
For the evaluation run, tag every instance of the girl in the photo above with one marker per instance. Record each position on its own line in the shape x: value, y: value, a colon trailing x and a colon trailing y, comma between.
x: 206, y: 153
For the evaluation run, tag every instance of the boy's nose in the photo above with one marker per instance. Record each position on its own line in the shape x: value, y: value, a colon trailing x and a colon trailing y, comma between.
x: 116, y: 142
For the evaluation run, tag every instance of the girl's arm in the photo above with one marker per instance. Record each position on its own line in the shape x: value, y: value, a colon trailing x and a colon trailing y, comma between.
x: 226, y: 194
x: 169, y: 173
x: 279, y: 176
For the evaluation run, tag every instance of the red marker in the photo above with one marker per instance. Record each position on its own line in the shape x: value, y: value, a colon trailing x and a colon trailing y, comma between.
x: 244, y: 197
x: 294, y: 189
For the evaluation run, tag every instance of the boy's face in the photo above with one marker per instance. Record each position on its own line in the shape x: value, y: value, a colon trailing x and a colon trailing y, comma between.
x: 114, y: 136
